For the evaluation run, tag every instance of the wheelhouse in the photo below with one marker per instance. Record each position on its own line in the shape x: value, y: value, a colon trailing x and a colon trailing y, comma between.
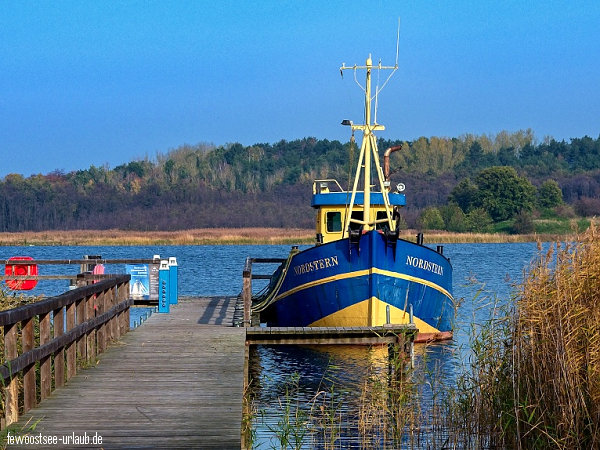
x: 332, y: 205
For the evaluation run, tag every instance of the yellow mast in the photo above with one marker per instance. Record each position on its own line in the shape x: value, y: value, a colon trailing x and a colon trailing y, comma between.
x: 367, y: 138
x: 368, y: 150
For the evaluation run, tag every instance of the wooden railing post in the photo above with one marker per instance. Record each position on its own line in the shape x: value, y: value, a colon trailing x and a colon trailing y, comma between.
x: 45, y: 363
x: 106, y: 295
x: 247, y: 292
x: 121, y: 317
x: 29, y: 382
x: 122, y: 295
x: 71, y: 348
x: 126, y: 317
x: 90, y: 340
x: 59, y: 357
x: 112, y: 302
x: 81, y: 317
x: 11, y: 393
x: 101, y: 332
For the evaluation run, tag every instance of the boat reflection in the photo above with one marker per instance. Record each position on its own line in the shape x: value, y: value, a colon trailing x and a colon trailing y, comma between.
x: 329, y: 396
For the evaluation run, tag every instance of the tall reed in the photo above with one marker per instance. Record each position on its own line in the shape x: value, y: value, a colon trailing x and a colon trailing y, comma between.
x: 556, y: 356
x: 534, y: 377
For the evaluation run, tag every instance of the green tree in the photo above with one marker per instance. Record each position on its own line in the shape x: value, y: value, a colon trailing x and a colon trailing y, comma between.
x: 454, y: 218
x: 464, y: 195
x: 168, y: 168
x: 503, y: 193
x: 478, y: 221
x: 549, y: 194
x: 431, y: 219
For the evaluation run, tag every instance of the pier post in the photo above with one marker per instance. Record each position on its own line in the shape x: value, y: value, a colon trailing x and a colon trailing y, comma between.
x: 247, y: 291
x: 11, y: 391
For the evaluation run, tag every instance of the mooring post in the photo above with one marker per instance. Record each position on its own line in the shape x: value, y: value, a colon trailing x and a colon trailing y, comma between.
x: 163, y: 288
x: 247, y: 291
x: 173, y: 294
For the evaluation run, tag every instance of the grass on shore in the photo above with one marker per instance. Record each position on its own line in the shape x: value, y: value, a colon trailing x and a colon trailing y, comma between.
x: 200, y: 236
x: 229, y: 236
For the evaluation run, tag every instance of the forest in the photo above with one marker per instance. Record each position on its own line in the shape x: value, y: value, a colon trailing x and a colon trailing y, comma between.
x: 459, y: 184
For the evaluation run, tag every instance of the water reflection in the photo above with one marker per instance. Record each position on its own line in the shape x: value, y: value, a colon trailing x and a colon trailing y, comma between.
x: 342, y: 396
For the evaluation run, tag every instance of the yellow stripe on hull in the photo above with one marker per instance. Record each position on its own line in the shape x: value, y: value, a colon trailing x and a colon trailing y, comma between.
x: 403, y: 276
x: 362, y: 273
x: 342, y: 276
x: 371, y: 312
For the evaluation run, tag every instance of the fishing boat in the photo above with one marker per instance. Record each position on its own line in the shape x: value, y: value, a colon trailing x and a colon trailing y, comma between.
x: 360, y: 273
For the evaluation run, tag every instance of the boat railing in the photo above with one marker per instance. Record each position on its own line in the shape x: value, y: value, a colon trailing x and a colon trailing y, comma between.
x: 323, y: 186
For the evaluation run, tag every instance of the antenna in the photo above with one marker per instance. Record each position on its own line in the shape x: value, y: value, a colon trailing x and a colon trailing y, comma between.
x: 377, y: 88
x: 397, y: 41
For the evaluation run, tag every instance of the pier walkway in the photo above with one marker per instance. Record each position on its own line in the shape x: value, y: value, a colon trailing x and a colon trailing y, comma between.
x: 174, y: 382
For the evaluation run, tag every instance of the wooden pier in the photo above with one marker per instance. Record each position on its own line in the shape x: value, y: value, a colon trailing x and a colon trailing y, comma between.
x: 177, y: 381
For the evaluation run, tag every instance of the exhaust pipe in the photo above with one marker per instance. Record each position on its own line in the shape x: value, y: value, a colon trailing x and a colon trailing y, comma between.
x: 386, y: 161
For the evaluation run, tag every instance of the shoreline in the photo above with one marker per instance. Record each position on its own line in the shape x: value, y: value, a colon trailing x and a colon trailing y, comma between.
x: 236, y: 236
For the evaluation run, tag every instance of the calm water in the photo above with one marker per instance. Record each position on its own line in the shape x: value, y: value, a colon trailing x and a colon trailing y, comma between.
x: 301, y: 379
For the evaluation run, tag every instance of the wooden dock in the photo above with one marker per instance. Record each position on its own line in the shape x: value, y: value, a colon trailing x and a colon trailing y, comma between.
x: 387, y: 334
x: 175, y: 382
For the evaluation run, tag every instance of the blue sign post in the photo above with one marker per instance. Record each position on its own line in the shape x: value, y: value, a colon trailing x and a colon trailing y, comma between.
x: 163, y: 287
x: 173, y: 280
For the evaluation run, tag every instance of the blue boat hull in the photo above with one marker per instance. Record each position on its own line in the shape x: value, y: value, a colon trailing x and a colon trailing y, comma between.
x: 352, y: 284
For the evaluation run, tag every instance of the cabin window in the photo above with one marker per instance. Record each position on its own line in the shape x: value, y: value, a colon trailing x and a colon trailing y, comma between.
x: 334, y: 222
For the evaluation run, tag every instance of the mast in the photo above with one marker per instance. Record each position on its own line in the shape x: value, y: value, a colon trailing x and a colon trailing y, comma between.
x: 366, y: 141
x: 368, y: 150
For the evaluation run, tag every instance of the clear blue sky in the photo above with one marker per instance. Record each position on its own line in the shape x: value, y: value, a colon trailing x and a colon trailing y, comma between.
x: 106, y: 82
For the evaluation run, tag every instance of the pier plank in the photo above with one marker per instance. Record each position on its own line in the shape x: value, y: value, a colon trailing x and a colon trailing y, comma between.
x: 175, y: 381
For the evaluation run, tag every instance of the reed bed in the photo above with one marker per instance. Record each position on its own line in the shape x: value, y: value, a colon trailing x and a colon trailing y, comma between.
x: 556, y: 344
x: 443, y: 237
x: 233, y: 236
x: 200, y: 236
x: 534, y: 376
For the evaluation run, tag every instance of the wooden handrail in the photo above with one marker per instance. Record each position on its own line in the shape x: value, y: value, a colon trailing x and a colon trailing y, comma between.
x: 25, y: 312
x: 95, y: 315
x: 77, y: 276
x: 26, y: 262
x: 269, y: 260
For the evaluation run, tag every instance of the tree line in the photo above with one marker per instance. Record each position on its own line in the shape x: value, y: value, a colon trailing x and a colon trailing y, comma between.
x: 270, y: 184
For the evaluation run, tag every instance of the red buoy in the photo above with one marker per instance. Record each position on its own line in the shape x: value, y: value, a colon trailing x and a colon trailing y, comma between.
x: 21, y: 270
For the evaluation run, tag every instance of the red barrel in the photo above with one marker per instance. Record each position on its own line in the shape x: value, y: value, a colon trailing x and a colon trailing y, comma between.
x: 21, y: 270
